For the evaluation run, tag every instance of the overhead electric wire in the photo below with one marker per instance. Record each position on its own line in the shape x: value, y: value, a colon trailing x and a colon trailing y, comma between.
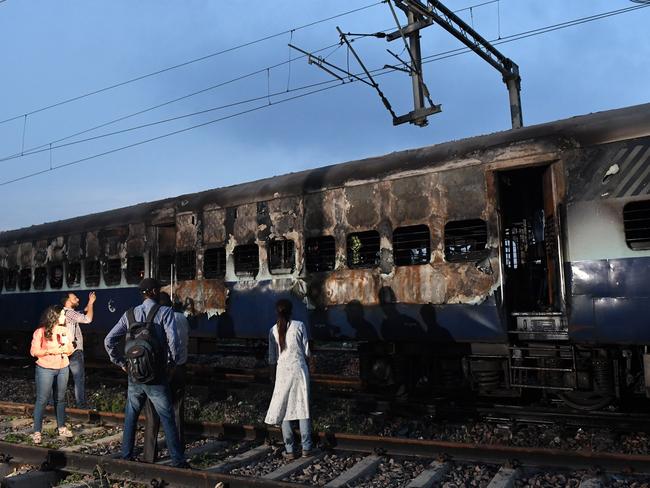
x: 378, y: 72
x: 186, y: 63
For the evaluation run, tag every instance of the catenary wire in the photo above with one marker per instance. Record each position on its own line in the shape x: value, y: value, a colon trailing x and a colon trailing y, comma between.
x: 186, y: 63
x: 380, y: 71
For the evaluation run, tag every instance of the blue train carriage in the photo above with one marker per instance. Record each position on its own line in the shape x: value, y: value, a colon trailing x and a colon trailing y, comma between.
x: 475, y: 265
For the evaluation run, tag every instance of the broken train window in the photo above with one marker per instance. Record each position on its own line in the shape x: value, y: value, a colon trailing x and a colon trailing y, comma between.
x: 282, y: 256
x: 73, y: 274
x: 214, y: 263
x: 636, y: 222
x: 25, y: 279
x: 363, y: 249
x: 465, y: 240
x: 320, y: 254
x: 56, y: 276
x: 40, y: 278
x: 247, y: 260
x: 112, y: 270
x: 411, y: 245
x: 185, y: 265
x: 92, y: 271
x: 134, y: 269
x: 11, y: 277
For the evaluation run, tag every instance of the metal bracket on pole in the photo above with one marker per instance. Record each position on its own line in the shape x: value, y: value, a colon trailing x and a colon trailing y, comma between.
x: 436, y: 12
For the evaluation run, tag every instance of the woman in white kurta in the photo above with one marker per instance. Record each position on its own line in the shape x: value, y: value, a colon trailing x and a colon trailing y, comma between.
x: 288, y: 353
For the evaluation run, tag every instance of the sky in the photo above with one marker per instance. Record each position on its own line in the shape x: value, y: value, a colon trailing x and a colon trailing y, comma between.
x: 52, y: 51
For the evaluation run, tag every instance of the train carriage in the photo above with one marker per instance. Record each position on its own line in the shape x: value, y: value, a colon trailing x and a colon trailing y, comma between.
x: 499, y: 264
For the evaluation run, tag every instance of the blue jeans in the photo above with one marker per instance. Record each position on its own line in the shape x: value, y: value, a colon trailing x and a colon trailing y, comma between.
x: 305, y: 434
x: 79, y: 377
x: 160, y: 398
x: 44, y: 380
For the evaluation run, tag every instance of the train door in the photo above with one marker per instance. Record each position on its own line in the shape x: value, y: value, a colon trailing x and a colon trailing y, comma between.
x: 531, y: 244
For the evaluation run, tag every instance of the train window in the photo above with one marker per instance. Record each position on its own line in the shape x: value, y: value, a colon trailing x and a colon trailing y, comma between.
x: 247, y: 260
x: 92, y: 269
x: 112, y: 271
x: 2, y: 277
x: 282, y: 256
x: 411, y: 245
x: 165, y: 264
x: 56, y: 276
x: 73, y: 274
x: 11, y: 277
x: 214, y: 263
x: 465, y: 240
x: 363, y: 249
x: 134, y: 269
x: 40, y: 278
x: 320, y: 254
x: 636, y: 222
x: 25, y: 279
x: 185, y: 265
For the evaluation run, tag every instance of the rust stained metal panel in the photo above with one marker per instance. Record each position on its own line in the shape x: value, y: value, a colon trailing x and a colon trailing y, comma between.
x: 342, y: 287
x: 286, y: 215
x: 320, y: 212
x: 418, y: 284
x: 163, y: 216
x: 467, y: 284
x: 186, y: 231
x: 56, y: 250
x: 74, y: 251
x: 361, y: 211
x: 465, y: 193
x: 136, y: 241
x: 214, y: 226
x: 209, y: 296
x: 92, y: 245
x: 40, y: 253
x: 245, y: 226
x: 26, y: 255
x: 413, y: 200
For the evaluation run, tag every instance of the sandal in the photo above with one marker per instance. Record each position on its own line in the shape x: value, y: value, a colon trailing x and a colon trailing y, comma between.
x: 65, y: 433
x: 36, y: 438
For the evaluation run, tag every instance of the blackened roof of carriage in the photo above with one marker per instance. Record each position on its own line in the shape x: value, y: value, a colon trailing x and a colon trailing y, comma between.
x: 584, y: 130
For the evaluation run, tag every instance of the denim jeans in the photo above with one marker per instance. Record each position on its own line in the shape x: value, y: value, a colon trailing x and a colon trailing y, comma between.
x: 160, y: 398
x: 79, y: 377
x: 44, y: 381
x: 305, y: 434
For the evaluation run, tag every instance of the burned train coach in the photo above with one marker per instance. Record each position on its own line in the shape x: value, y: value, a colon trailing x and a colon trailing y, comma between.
x: 513, y: 262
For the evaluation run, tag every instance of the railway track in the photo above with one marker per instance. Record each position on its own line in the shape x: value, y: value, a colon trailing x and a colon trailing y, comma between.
x: 241, y: 455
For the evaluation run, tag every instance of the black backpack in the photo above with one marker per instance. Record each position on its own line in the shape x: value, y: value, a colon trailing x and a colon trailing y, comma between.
x: 142, y: 349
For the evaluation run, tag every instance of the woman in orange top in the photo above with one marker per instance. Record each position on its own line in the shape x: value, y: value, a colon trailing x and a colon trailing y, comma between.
x: 51, y: 346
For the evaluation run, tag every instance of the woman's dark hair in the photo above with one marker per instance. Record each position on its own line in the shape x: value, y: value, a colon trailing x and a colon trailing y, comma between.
x: 49, y: 319
x: 283, y: 309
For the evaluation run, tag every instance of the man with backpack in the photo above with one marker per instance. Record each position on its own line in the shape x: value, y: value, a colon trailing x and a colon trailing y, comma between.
x: 151, y: 339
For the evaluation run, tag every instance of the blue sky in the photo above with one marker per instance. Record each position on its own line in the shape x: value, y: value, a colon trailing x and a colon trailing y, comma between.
x: 54, y: 50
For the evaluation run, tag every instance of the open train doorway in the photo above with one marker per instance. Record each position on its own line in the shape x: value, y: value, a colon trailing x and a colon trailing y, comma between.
x: 531, y: 250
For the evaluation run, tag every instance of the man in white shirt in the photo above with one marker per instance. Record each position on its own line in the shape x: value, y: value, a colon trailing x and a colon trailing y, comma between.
x: 176, y: 385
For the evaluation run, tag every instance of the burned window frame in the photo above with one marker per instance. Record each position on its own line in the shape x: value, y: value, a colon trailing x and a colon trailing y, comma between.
x: 25, y: 279
x: 639, y: 227
x: 11, y: 285
x: 252, y: 266
x: 50, y: 273
x: 355, y: 242
x: 185, y: 265
x: 134, y: 274
x: 320, y: 260
x: 40, y: 278
x: 284, y: 261
x: 464, y: 240
x: 95, y: 264
x: 169, y: 261
x: 214, y: 272
x: 403, y: 254
x: 73, y: 268
x: 110, y: 271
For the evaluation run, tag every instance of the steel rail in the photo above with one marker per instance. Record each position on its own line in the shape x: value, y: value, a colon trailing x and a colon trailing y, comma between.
x: 130, y: 470
x: 492, y: 453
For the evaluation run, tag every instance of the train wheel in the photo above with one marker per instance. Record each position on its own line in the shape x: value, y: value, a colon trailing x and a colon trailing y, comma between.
x: 586, y: 400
